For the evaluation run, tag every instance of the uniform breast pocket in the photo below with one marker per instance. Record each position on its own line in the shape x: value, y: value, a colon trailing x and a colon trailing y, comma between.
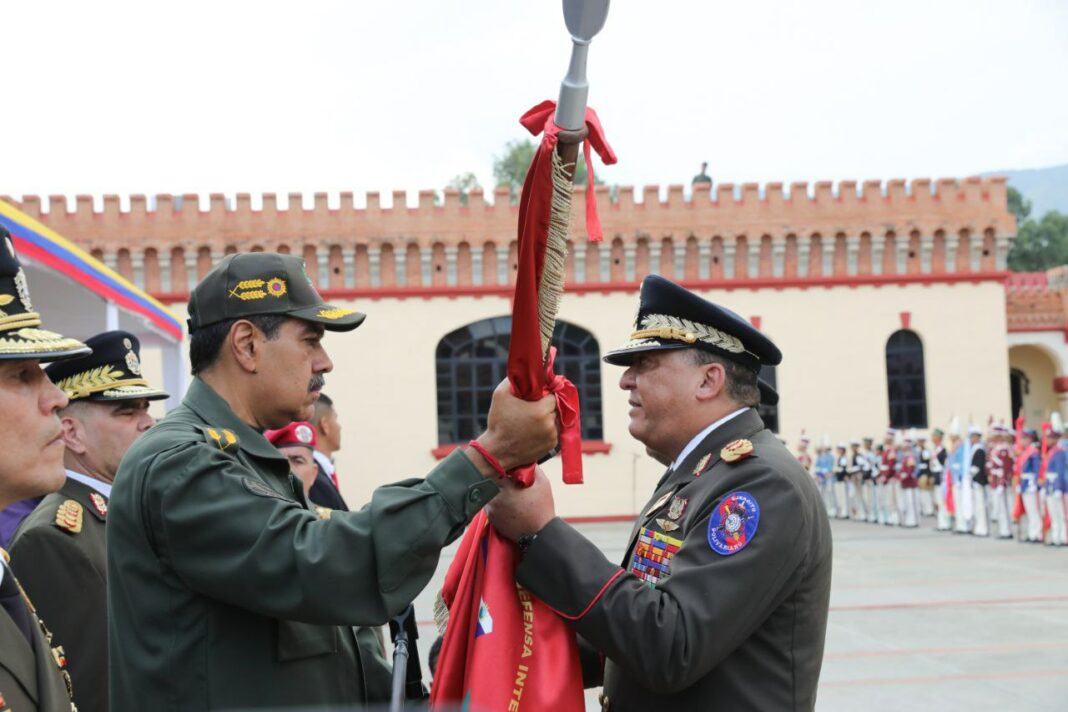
x: 305, y: 640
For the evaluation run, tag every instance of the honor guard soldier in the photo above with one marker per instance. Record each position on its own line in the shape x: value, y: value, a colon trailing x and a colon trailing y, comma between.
x: 938, y: 482
x: 841, y: 476
x: 908, y: 465
x: 868, y: 473
x: 802, y: 453
x: 886, y: 484
x: 958, y: 466
x: 979, y: 482
x: 62, y: 542
x: 33, y: 674
x: 824, y: 471
x: 999, y: 469
x: 734, y: 515
x: 858, y: 463
x: 1029, y: 462
x: 225, y: 590
x: 923, y: 453
x: 1056, y: 466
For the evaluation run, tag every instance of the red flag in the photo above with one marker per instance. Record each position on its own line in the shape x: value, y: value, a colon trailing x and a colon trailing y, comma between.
x: 503, y: 648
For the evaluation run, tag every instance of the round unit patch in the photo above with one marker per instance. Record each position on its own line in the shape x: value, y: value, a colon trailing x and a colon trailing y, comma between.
x: 733, y: 523
x: 303, y: 433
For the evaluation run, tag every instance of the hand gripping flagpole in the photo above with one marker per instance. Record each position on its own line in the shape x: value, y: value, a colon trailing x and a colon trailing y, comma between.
x: 497, y: 637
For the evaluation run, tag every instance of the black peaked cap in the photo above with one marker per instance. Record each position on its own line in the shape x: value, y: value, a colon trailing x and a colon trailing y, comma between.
x: 672, y: 317
x: 21, y: 335
x: 112, y: 372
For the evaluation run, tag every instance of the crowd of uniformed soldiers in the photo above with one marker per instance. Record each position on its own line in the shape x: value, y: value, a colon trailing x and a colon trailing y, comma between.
x: 1003, y: 482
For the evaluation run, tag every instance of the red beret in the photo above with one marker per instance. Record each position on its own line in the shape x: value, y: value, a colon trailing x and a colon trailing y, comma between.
x: 296, y: 433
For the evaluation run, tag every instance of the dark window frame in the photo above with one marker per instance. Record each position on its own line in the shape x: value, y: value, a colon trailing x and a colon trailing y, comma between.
x: 470, y: 361
x: 906, y: 380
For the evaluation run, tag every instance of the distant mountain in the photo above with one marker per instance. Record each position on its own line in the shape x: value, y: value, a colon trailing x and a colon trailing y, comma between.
x: 1046, y: 188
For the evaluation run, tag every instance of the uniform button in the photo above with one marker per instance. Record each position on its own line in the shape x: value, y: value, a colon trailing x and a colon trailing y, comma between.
x: 603, y: 699
x: 475, y: 496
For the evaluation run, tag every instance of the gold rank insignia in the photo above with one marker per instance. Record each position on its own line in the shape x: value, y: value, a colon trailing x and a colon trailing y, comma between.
x: 699, y: 468
x: 223, y: 438
x: 69, y: 516
x: 324, y: 512
x: 99, y: 503
x: 737, y: 450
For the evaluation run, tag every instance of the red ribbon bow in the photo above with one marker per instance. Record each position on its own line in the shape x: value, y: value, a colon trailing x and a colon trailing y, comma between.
x: 540, y: 119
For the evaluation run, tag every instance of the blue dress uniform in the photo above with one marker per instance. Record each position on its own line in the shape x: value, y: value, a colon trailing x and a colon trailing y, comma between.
x: 1029, y: 491
x: 1056, y: 472
x: 721, y: 600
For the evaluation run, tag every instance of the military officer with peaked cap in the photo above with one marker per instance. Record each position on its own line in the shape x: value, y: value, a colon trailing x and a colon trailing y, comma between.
x: 33, y: 673
x: 224, y: 590
x: 720, y: 602
x: 59, y: 549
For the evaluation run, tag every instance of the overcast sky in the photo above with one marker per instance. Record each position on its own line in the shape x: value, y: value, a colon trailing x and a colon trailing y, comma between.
x: 146, y: 97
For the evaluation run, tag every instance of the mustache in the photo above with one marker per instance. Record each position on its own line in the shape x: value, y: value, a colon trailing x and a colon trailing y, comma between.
x: 316, y: 383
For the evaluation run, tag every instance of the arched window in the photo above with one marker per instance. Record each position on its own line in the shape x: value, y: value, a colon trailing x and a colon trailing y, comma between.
x: 472, y: 360
x: 769, y: 413
x: 905, y: 382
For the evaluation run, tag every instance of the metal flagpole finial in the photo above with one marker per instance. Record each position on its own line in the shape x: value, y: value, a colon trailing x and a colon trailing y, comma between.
x: 584, y: 19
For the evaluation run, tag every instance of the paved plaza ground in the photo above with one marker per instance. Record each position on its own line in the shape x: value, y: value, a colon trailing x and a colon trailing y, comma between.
x: 922, y: 620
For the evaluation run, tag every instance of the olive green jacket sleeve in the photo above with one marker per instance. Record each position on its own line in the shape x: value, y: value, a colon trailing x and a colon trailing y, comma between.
x: 231, y: 537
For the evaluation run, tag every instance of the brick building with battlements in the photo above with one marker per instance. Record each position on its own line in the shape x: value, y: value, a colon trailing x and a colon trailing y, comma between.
x: 888, y: 301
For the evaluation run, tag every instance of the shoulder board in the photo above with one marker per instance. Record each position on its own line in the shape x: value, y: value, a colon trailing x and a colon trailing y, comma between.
x: 69, y: 516
x: 222, y: 438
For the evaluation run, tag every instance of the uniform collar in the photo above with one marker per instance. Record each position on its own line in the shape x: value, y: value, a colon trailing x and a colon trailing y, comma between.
x: 325, y: 462
x: 696, y: 440
x: 217, y: 413
x: 102, y: 487
x: 745, y: 424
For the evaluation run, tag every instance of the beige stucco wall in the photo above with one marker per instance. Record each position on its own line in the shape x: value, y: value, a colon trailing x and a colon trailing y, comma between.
x: 832, y: 379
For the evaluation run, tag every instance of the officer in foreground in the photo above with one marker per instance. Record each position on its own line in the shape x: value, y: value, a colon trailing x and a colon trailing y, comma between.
x: 59, y: 549
x: 721, y: 600
x: 225, y: 591
x: 33, y: 675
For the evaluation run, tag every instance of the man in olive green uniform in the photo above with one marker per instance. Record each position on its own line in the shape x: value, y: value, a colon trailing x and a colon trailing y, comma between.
x: 33, y: 675
x: 224, y: 590
x: 721, y: 600
x: 59, y: 549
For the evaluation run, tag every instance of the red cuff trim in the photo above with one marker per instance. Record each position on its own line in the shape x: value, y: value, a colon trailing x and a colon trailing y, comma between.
x: 600, y: 593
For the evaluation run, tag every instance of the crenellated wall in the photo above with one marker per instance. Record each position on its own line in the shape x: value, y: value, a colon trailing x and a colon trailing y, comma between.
x: 746, y: 235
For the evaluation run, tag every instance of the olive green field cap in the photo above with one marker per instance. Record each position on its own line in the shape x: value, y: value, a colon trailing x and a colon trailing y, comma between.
x: 250, y: 283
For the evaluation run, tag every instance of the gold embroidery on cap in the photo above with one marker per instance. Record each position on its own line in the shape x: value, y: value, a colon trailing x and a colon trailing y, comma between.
x: 96, y: 380
x: 276, y: 287
x: 335, y: 313
x: 23, y: 289
x: 665, y: 326
x: 252, y: 289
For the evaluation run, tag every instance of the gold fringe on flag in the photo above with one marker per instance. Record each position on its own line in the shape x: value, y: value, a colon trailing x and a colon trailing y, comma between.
x: 553, y: 270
